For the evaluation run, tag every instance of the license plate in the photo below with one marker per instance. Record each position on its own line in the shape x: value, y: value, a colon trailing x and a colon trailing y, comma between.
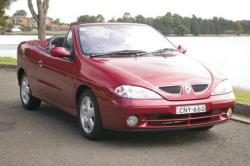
x: 190, y: 109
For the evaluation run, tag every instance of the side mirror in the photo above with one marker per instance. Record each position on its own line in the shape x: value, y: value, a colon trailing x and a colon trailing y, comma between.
x: 181, y: 49
x: 59, y: 52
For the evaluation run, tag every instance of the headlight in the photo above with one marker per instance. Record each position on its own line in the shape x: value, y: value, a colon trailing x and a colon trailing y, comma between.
x: 222, y: 88
x: 136, y: 92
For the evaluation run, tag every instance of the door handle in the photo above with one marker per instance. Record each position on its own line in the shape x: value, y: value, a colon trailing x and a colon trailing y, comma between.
x: 40, y: 63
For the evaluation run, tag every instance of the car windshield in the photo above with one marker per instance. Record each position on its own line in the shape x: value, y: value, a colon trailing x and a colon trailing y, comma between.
x: 118, y: 38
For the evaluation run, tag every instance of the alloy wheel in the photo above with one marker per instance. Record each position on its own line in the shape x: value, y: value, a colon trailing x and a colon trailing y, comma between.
x: 25, y: 90
x: 87, y: 114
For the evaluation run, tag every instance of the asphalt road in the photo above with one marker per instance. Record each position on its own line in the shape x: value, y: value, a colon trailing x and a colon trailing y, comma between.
x: 51, y: 137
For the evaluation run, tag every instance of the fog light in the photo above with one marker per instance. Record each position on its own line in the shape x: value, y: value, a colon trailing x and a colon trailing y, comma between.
x: 229, y: 112
x: 132, y: 120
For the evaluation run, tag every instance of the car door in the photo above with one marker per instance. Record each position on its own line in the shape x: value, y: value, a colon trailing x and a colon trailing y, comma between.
x: 30, y: 63
x: 57, y: 84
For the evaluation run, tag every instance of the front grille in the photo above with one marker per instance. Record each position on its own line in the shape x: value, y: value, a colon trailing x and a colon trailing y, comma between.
x: 173, y: 89
x: 176, y: 89
x: 199, y: 87
x: 173, y: 120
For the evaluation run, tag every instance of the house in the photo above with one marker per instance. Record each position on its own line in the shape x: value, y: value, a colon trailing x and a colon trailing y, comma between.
x: 27, y: 21
x: 59, y: 27
x: 23, y: 21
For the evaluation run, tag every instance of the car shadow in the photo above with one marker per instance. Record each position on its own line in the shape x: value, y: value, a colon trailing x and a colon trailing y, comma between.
x: 166, y: 138
x: 129, y: 139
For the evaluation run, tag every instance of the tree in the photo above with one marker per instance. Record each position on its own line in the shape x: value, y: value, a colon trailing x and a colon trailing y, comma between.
x: 195, y: 28
x: 140, y: 19
x: 57, y: 21
x: 3, y: 5
x: 165, y: 23
x: 181, y: 30
x: 126, y: 18
x: 100, y: 18
x: 246, y: 26
x: 90, y: 19
x: 176, y: 24
x: 112, y: 20
x: 20, y: 13
x: 86, y: 19
x: 238, y: 28
x: 40, y: 16
x: 179, y: 26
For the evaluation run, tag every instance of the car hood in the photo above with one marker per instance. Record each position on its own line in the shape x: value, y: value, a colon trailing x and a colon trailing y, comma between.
x: 159, y: 71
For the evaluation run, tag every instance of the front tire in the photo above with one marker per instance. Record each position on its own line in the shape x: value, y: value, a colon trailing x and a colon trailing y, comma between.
x: 28, y: 101
x: 89, y: 116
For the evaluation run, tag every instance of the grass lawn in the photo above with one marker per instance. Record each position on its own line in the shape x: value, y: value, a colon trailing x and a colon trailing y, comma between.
x: 7, y: 60
x: 242, y: 95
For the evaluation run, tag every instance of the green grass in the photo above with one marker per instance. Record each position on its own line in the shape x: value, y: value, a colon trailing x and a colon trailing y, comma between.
x: 242, y: 95
x: 7, y: 60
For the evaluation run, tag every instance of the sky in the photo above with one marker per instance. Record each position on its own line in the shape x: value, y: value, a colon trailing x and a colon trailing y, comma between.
x: 69, y: 10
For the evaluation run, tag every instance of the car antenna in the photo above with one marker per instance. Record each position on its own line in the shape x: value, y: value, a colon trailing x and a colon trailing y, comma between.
x: 171, y: 43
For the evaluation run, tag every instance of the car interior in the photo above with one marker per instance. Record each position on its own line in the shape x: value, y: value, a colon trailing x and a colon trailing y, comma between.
x: 61, y: 41
x: 56, y: 41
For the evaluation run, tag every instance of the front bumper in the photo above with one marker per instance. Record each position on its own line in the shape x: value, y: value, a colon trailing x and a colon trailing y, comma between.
x: 161, y: 114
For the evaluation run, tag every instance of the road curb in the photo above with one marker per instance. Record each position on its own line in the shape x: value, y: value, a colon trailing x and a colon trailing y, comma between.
x: 8, y: 66
x: 241, y: 118
x: 242, y: 109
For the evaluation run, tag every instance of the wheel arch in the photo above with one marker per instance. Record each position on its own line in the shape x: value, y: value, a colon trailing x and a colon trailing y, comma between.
x: 20, y: 72
x: 79, y: 91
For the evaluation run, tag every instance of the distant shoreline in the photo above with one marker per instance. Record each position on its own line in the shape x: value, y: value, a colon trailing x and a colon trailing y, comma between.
x: 51, y: 33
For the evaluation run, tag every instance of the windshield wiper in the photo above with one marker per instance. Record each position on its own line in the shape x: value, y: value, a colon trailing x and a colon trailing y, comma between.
x: 121, y: 52
x: 132, y: 52
x: 164, y: 50
x: 160, y: 51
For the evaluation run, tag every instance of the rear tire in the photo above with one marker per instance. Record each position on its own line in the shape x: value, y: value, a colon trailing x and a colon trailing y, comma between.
x: 205, y: 128
x: 88, y: 116
x: 28, y: 101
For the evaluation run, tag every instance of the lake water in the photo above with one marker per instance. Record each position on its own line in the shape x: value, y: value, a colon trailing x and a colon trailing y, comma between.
x: 229, y: 55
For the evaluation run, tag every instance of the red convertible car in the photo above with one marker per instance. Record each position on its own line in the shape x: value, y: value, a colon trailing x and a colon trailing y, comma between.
x: 122, y: 76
